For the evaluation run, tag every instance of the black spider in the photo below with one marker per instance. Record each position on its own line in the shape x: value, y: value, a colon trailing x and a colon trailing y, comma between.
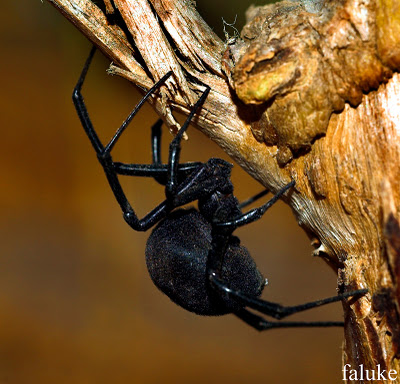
x: 192, y: 255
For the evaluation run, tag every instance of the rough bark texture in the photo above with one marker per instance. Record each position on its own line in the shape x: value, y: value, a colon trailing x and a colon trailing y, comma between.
x: 308, y: 92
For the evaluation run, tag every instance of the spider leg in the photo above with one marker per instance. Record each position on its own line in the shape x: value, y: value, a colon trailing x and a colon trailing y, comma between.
x: 156, y: 141
x: 162, y: 172
x: 254, y: 214
x: 104, y: 157
x: 253, y: 198
x: 125, y: 124
x: 81, y: 107
x: 261, y: 324
x: 156, y: 148
x: 274, y: 310
x: 184, y: 170
x: 175, y: 149
x: 157, y: 170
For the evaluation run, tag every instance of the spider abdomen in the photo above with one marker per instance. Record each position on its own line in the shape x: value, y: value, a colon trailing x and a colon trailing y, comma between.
x: 177, y: 254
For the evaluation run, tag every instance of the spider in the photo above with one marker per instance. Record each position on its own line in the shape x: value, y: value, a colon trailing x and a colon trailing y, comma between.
x: 192, y: 255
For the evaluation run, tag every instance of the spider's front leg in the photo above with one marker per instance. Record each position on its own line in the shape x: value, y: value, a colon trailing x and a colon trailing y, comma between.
x: 175, y: 149
x: 105, y: 159
x: 170, y: 174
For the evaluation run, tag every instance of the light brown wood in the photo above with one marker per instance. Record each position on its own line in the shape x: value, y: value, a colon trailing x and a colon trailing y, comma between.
x: 320, y: 104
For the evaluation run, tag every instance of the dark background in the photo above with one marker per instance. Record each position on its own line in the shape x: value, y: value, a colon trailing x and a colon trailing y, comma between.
x: 76, y: 302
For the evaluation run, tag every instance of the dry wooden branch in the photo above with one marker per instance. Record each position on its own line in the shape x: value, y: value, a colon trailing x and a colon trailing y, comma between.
x: 316, y: 100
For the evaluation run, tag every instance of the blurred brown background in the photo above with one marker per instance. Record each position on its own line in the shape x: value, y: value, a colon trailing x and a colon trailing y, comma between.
x: 76, y: 302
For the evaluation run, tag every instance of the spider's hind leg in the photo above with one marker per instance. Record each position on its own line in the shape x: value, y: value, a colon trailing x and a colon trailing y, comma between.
x: 261, y: 324
x: 275, y: 310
